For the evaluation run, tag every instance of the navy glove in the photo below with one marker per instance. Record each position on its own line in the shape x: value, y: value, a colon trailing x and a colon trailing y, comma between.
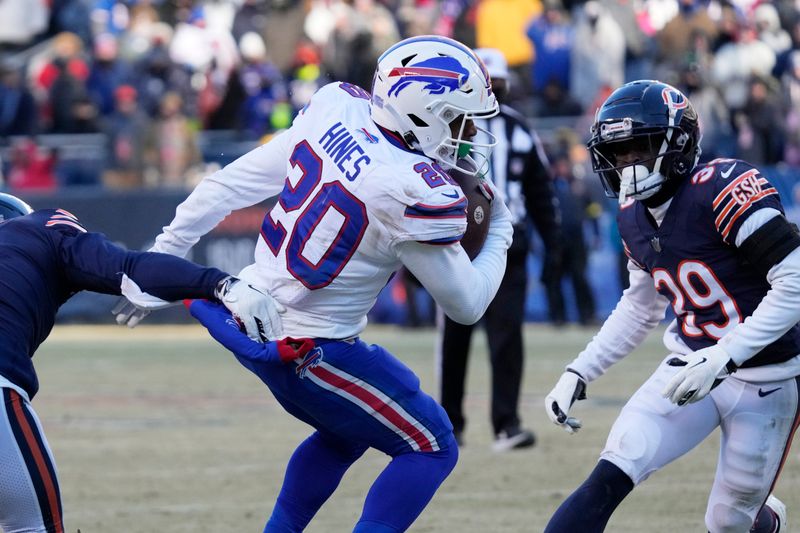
x: 227, y: 331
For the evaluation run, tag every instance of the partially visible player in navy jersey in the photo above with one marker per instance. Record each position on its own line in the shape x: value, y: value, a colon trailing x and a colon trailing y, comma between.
x: 712, y: 241
x: 46, y: 257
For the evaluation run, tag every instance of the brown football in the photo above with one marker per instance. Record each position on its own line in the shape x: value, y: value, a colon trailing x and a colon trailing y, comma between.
x: 478, y: 210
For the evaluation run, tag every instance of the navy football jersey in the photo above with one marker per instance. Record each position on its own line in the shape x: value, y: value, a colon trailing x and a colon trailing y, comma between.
x: 693, y: 259
x: 48, y: 256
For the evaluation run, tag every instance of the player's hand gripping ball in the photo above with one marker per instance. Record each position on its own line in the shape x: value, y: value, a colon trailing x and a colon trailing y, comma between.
x: 479, y: 207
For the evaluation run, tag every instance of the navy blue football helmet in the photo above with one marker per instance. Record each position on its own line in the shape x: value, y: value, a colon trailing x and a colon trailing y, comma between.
x: 645, y: 134
x: 11, y: 206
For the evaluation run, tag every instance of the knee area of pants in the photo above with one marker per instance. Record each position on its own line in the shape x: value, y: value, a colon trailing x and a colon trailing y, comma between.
x: 723, y: 518
x: 633, y: 446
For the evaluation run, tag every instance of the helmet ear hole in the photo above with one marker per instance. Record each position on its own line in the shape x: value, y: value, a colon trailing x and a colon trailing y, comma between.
x: 417, y: 121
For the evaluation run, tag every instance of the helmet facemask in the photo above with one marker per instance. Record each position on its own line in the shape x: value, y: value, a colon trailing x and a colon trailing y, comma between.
x: 636, y: 165
x: 456, y: 151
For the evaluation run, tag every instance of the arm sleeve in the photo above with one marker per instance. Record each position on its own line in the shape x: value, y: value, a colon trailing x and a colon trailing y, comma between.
x: 639, y: 310
x: 540, y: 197
x: 92, y: 262
x: 254, y: 177
x: 462, y: 288
x: 778, y: 310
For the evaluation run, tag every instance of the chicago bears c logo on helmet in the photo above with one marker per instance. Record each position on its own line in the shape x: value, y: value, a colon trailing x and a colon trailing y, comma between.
x: 674, y: 100
x: 440, y: 74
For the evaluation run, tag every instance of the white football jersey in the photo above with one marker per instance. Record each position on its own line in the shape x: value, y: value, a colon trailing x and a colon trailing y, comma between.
x: 352, y: 192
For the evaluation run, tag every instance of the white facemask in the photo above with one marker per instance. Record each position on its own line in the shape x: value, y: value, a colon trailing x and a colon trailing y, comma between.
x: 637, y: 182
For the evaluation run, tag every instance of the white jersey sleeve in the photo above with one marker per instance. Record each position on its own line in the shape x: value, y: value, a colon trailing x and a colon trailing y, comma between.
x: 252, y: 178
x: 639, y: 310
x: 412, y: 211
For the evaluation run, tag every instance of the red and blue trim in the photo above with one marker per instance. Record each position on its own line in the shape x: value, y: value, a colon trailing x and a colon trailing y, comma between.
x: 374, y: 402
x: 457, y: 209
x: 444, y: 241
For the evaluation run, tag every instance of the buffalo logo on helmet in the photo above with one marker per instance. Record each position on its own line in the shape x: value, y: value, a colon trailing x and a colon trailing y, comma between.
x: 440, y: 74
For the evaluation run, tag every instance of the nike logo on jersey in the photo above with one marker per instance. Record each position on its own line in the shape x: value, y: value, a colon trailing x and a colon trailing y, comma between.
x: 728, y: 172
x: 763, y: 393
x: 453, y: 195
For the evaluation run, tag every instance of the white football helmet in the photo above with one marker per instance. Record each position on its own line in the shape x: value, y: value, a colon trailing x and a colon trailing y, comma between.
x: 421, y: 86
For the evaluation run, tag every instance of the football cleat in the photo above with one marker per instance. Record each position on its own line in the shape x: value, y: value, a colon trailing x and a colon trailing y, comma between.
x: 779, y: 508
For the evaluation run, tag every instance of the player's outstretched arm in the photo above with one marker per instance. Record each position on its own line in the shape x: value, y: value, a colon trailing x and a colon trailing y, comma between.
x: 256, y: 356
x: 463, y: 288
x: 151, y: 280
x: 639, y: 310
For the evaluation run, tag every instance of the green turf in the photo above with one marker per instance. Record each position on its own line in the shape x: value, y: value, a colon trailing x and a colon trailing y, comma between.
x: 159, y: 429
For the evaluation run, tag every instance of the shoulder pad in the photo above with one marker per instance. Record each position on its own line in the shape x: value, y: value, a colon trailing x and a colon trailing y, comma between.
x: 735, y: 186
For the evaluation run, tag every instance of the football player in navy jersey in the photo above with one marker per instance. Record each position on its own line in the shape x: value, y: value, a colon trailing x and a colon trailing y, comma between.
x: 46, y: 257
x: 712, y: 241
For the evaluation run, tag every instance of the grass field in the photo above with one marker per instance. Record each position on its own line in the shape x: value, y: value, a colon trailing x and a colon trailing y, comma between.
x: 159, y: 430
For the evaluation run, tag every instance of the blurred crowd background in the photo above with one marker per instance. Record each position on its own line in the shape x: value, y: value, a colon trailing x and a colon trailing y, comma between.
x: 107, y: 98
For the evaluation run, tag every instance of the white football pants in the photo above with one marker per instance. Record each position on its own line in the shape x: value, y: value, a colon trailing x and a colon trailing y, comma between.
x: 757, y: 420
x: 30, y: 500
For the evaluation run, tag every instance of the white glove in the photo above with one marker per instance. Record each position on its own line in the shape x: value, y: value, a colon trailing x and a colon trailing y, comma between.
x: 127, y: 314
x: 570, y: 387
x: 702, y: 371
x: 136, y: 304
x: 257, y: 312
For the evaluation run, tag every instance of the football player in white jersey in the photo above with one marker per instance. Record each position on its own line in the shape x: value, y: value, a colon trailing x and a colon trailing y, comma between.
x: 362, y: 189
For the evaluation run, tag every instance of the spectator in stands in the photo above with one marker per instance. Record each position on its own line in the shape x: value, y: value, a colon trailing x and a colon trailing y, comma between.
x: 18, y: 110
x: 126, y: 129
x: 782, y: 60
x: 552, y: 34
x: 598, y: 56
x: 578, y: 209
x: 263, y: 85
x: 306, y: 75
x: 67, y: 53
x: 760, y: 121
x: 145, y: 23
x: 32, y: 167
x: 71, y: 107
x: 675, y: 40
x: 157, y: 74
x: 502, y: 24
x: 171, y: 148
x: 106, y: 73
x: 790, y: 82
x: 736, y: 61
x: 768, y: 27
x: 719, y: 139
